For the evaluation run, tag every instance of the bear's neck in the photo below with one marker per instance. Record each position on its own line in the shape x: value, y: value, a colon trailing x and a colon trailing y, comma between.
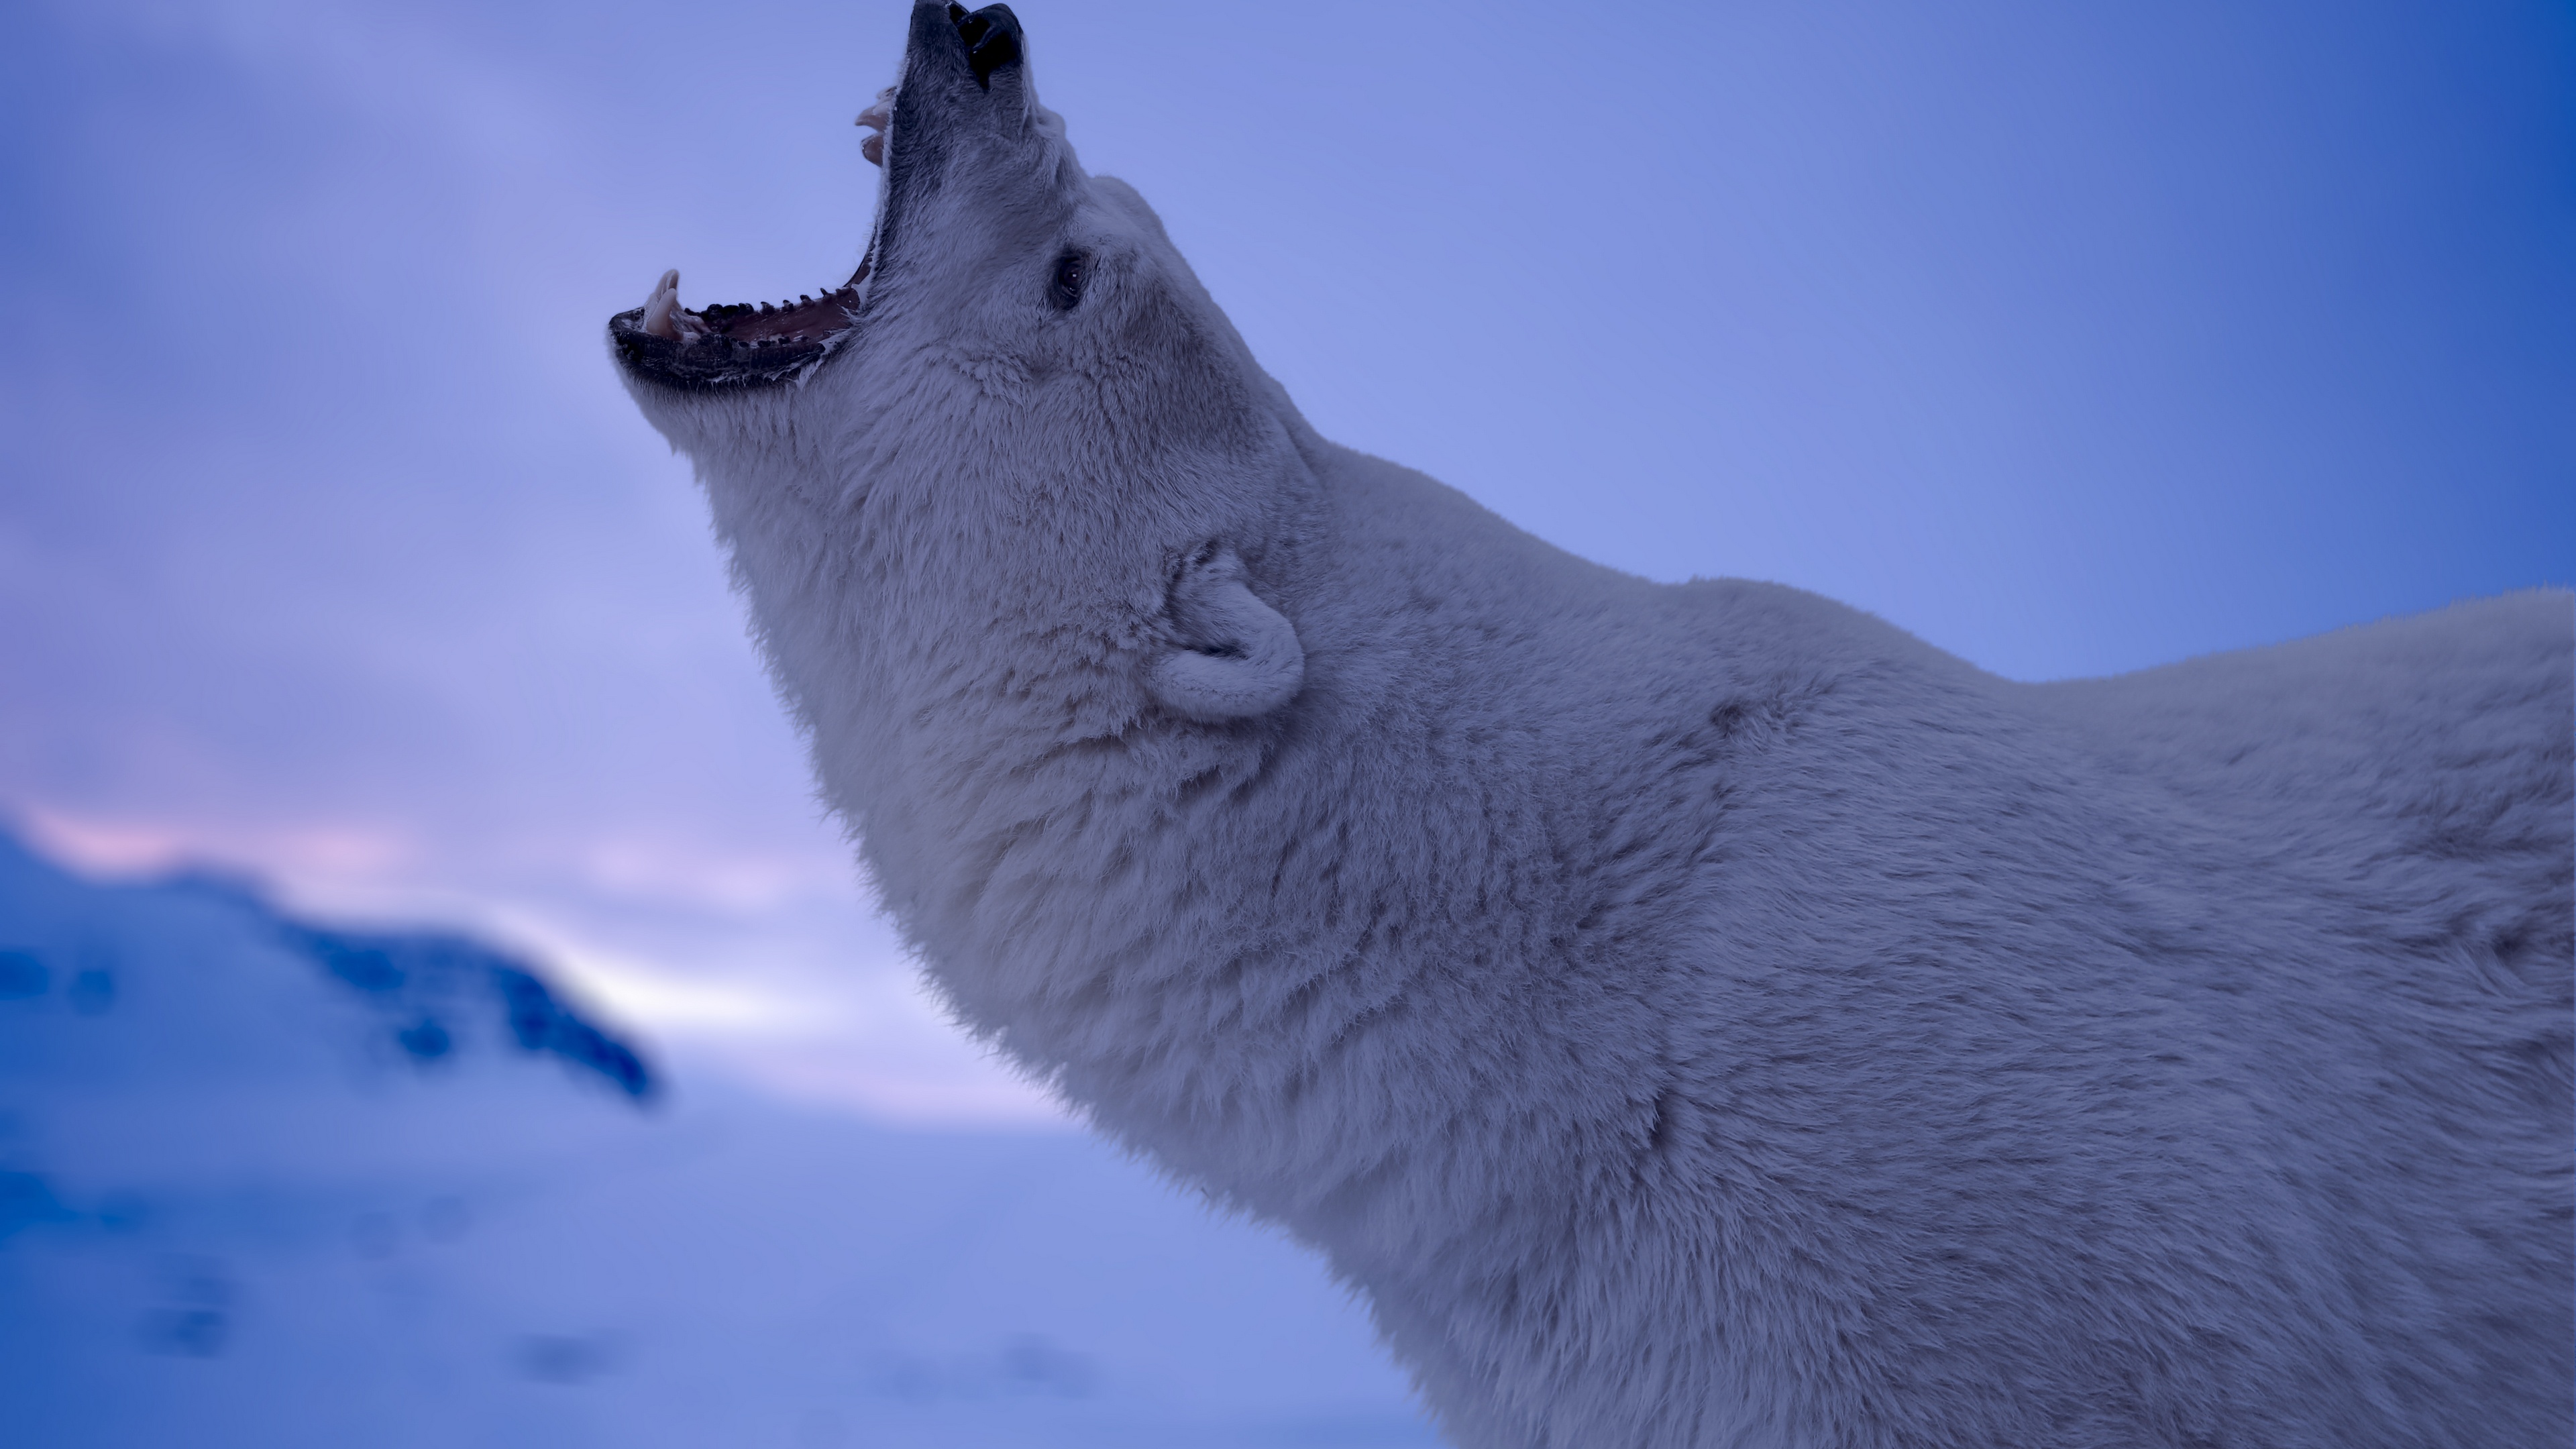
x: 1295, y: 957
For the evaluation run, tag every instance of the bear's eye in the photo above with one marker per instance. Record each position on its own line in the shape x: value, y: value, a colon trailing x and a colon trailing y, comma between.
x: 1070, y: 271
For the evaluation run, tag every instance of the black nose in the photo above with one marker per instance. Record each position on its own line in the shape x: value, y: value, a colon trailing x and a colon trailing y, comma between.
x: 992, y: 37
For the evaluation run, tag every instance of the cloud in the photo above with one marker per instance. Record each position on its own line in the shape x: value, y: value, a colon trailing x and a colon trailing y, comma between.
x: 2074, y: 340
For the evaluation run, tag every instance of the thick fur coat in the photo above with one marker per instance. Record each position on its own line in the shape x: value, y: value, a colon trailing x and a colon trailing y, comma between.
x: 1692, y: 1015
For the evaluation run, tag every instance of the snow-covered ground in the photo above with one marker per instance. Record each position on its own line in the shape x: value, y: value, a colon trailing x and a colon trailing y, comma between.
x: 265, y: 1183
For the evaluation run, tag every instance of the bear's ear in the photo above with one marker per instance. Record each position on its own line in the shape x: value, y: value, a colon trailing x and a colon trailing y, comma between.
x: 1234, y: 656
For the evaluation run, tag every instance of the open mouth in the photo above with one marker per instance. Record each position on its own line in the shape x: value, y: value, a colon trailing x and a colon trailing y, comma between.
x: 739, y: 343
x: 744, y: 344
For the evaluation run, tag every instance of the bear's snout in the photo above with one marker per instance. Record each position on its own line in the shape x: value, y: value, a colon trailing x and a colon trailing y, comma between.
x: 992, y: 37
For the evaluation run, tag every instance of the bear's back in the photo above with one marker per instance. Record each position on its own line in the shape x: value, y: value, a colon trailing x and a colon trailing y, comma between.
x: 2438, y: 748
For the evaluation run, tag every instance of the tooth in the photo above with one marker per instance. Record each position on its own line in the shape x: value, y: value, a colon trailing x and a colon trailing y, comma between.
x: 877, y: 118
x: 804, y: 299
x: 659, y: 307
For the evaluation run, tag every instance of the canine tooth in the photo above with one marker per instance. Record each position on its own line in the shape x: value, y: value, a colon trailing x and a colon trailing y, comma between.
x: 659, y: 307
x: 876, y: 118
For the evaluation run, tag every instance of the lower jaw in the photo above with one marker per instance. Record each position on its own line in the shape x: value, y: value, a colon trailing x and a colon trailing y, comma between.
x: 712, y: 363
x: 735, y: 346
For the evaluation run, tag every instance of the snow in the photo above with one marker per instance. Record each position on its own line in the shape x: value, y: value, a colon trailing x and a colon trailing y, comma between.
x: 241, y: 1205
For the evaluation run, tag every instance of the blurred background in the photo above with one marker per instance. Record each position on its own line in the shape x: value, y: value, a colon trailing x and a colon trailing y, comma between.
x: 366, y: 665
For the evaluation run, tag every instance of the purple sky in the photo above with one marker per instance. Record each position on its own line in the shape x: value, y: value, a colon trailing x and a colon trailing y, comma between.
x: 2072, y: 339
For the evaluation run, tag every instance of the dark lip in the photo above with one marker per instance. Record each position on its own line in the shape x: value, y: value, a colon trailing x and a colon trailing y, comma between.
x: 740, y: 344
x: 704, y: 366
x: 744, y: 346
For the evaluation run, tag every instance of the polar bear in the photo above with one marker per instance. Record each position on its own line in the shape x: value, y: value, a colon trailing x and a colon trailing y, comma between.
x: 1691, y: 1015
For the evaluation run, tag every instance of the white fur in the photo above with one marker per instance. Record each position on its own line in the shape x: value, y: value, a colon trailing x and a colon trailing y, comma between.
x: 1242, y: 658
x: 1695, y: 1015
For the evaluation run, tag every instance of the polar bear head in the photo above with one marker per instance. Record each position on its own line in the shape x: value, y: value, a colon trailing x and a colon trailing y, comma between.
x: 1018, y: 456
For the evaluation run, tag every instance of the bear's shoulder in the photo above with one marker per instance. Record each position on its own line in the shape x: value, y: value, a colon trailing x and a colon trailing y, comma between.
x: 2451, y: 732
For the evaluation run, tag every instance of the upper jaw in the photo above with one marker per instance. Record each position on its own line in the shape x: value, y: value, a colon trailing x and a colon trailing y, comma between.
x: 951, y: 57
